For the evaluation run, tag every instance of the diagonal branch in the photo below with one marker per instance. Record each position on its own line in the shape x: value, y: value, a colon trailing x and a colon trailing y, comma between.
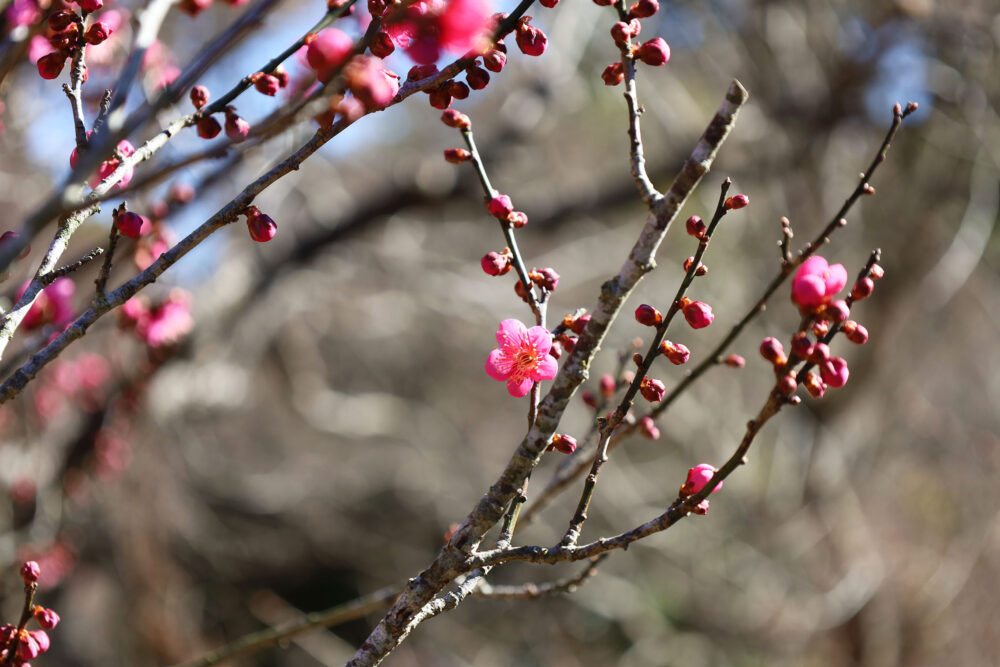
x: 453, y: 559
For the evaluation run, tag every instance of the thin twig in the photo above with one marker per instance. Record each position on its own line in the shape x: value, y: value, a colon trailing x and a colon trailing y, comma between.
x: 565, y: 477
x: 531, y: 591
x: 69, y: 268
x: 257, y: 641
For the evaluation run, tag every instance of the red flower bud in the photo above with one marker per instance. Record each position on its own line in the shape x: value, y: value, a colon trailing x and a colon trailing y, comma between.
x: 802, y: 347
x: 208, y: 128
x: 695, y: 226
x: 655, y: 52
x: 579, y: 324
x: 91, y: 5
x: 97, y: 33
x: 652, y: 390
x: 838, y: 311
x: 814, y: 385
x: 46, y: 618
x: 237, y: 129
x: 266, y: 83
x: 261, y: 227
x: 677, y: 354
x: 772, y: 350
x: 51, y: 65
x: 834, y: 372
x: 648, y: 316
x: 698, y: 314
x: 457, y: 155
x: 613, y: 74
x: 736, y: 202
x: 62, y: 19
x: 494, y: 60
x: 382, y: 45
x: 644, y: 9
x: 456, y: 119
x: 500, y: 207
x: 787, y: 384
x: 563, y: 443
x: 855, y: 333
x: 497, y: 263
x: 607, y: 385
x: 477, y: 77
x: 735, y: 361
x: 518, y: 219
x: 30, y: 572
x: 199, y: 96
x: 647, y: 427
x: 531, y: 40
x: 129, y: 224
x: 820, y: 353
x: 862, y: 289
x: 876, y: 272
x: 545, y: 278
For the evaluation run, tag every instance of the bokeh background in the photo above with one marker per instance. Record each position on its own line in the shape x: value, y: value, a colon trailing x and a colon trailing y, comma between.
x: 328, y: 416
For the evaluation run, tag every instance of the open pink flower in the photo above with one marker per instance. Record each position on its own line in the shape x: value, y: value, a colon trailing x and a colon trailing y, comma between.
x: 429, y: 27
x: 816, y: 282
x: 522, y: 358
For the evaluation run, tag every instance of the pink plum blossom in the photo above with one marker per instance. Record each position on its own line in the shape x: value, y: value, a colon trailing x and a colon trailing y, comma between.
x: 430, y: 27
x: 522, y: 358
x: 816, y: 282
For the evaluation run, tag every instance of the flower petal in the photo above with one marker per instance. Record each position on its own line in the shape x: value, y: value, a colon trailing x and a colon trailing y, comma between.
x: 813, y: 266
x: 545, y: 369
x: 835, y: 278
x: 498, y: 365
x: 511, y: 334
x: 808, y: 290
x: 541, y: 339
x: 519, y: 388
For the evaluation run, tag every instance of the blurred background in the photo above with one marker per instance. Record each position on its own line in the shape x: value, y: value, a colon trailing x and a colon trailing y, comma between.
x: 327, y: 416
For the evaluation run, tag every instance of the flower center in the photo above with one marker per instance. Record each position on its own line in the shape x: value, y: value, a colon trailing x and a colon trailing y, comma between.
x: 525, y: 360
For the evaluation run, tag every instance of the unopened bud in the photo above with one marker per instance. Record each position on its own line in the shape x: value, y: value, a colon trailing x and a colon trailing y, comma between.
x: 736, y: 202
x: 652, y: 390
x: 735, y: 361
x: 695, y: 226
x: 457, y: 155
x: 648, y: 316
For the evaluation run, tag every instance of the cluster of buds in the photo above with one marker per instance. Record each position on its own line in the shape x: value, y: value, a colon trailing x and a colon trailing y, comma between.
x: 260, y: 225
x: 159, y: 325
x: 237, y: 128
x: 697, y: 478
x: 654, y: 52
x: 124, y: 150
x: 68, y: 35
x: 270, y: 84
x: 815, y: 287
x: 571, y: 324
x: 17, y: 644
x: 501, y: 208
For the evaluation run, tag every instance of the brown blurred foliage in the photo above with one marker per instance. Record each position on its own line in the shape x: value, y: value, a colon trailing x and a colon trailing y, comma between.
x: 329, y: 417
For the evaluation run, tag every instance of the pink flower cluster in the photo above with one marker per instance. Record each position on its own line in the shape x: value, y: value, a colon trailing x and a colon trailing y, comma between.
x: 54, y: 305
x: 428, y: 28
x: 19, y: 645
x: 816, y: 282
x: 522, y: 357
x: 164, y: 324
